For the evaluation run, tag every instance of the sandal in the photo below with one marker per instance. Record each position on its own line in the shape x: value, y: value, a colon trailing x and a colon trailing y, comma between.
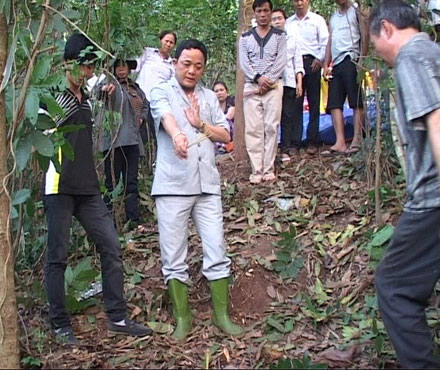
x: 332, y: 153
x: 312, y: 150
x: 285, y: 158
x: 353, y: 149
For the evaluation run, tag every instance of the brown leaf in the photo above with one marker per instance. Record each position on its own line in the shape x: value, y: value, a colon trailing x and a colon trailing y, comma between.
x: 337, y: 357
x: 226, y: 353
x: 271, y: 292
x: 272, y: 353
x: 345, y: 251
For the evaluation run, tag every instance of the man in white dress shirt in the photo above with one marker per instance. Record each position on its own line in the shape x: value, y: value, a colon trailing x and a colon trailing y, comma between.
x: 314, y: 35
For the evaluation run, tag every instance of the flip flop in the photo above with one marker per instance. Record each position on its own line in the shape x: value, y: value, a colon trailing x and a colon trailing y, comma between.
x: 353, y: 150
x: 332, y: 153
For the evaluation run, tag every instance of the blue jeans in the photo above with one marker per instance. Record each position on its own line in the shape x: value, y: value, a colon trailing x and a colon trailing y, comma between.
x: 94, y: 216
x: 404, y: 282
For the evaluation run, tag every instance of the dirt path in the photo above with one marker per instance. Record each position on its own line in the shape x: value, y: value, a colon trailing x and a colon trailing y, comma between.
x: 306, y: 292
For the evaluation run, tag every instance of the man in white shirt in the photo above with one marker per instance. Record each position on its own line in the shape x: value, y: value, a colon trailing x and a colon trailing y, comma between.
x: 314, y: 35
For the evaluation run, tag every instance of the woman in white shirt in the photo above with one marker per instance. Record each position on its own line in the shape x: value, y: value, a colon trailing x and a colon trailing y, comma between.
x: 155, y: 66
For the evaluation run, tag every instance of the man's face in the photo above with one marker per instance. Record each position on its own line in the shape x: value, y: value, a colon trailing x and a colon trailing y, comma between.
x: 301, y: 5
x: 383, y: 47
x: 278, y: 20
x: 189, y: 68
x: 263, y: 14
x: 77, y: 74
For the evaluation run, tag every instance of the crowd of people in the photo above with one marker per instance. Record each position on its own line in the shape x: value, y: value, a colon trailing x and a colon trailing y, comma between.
x: 283, y: 59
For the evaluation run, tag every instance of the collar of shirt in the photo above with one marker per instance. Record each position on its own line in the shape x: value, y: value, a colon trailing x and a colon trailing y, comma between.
x: 168, y: 60
x: 417, y: 37
x: 182, y: 93
x: 84, y: 95
x: 296, y: 18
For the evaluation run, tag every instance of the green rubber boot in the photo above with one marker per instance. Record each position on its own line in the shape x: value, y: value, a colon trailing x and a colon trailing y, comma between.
x: 181, y: 312
x: 220, y: 316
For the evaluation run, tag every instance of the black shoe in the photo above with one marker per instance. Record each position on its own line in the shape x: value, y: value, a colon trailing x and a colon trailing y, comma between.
x: 130, y: 328
x: 65, y: 336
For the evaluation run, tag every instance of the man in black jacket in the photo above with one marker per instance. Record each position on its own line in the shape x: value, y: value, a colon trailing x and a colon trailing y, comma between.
x: 73, y: 190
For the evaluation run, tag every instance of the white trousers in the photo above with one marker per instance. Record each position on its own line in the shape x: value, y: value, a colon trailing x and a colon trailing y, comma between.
x: 173, y: 214
x: 262, y: 115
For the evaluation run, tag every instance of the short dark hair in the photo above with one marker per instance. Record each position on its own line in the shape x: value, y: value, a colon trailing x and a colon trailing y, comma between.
x: 192, y: 44
x: 76, y: 44
x: 168, y: 32
x: 258, y: 3
x: 279, y: 10
x: 397, y: 12
x: 220, y: 83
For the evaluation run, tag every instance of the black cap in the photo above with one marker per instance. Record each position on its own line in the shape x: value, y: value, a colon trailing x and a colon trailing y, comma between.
x: 131, y: 63
x: 75, y: 45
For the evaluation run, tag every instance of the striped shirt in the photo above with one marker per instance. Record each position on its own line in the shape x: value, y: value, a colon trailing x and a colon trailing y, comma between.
x: 263, y: 56
x: 418, y: 92
x: 77, y: 175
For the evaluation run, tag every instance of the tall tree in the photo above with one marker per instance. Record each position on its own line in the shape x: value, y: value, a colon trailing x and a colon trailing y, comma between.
x: 245, y: 13
x: 9, y: 348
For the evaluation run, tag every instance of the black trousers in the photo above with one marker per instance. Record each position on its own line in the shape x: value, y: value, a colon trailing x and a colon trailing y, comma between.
x: 404, y: 282
x: 94, y: 216
x: 148, y: 132
x: 287, y: 119
x: 311, y: 88
x: 125, y: 164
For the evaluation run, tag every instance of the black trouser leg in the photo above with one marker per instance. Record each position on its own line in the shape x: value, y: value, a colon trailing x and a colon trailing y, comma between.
x: 404, y: 282
x: 94, y: 216
x: 125, y: 164
x: 59, y: 210
x: 287, y: 118
x: 131, y: 154
x: 313, y: 88
x: 297, y: 123
x: 113, y: 172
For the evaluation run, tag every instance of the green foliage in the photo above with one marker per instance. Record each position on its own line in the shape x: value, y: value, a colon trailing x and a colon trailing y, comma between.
x: 304, y: 363
x: 283, y: 324
x: 78, y: 280
x: 288, y: 263
x: 378, y: 242
x: 31, y: 361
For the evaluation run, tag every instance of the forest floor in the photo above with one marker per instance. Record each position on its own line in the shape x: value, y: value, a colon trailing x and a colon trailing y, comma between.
x: 304, y: 250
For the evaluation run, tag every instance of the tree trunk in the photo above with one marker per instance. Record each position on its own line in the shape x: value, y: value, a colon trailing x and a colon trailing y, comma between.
x: 245, y: 13
x: 9, y: 348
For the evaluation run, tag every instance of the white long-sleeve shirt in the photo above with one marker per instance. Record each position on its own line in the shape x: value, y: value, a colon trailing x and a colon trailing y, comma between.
x: 313, y: 31
x: 153, y: 69
x: 294, y: 60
